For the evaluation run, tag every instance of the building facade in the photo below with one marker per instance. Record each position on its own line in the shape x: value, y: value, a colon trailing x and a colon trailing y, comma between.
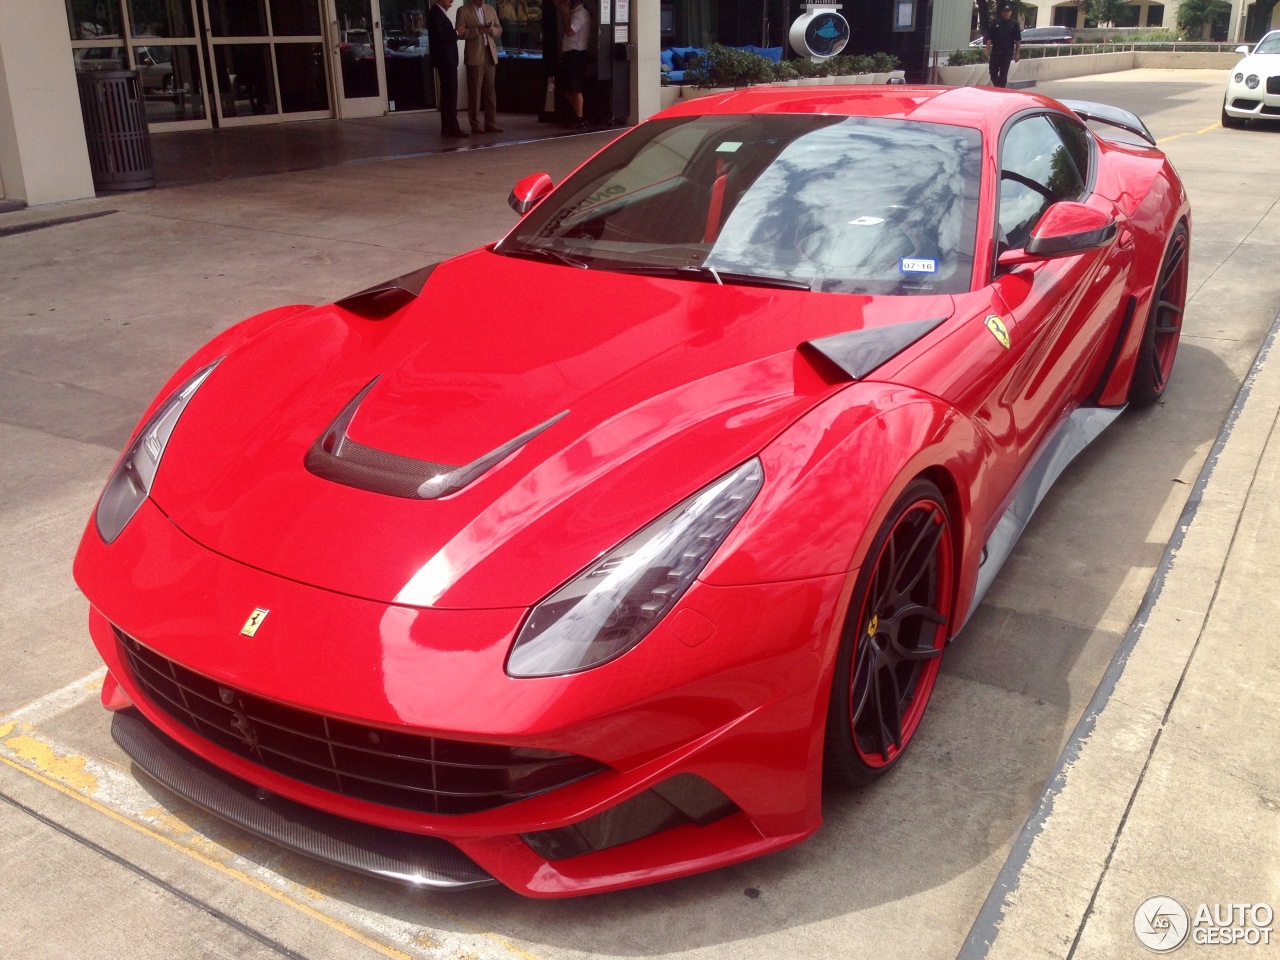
x: 224, y: 63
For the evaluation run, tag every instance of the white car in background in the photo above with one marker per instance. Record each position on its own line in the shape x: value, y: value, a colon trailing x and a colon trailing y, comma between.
x: 1253, y: 87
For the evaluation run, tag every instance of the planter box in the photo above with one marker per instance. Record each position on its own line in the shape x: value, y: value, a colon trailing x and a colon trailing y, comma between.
x: 668, y: 96
x: 809, y: 81
x: 969, y: 75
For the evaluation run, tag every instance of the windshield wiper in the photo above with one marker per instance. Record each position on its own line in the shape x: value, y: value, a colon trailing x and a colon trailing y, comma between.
x: 722, y: 277
x: 542, y: 253
x: 758, y: 280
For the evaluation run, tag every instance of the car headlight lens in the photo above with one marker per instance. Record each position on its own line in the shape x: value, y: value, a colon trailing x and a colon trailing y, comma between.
x: 1251, y: 81
x: 611, y: 605
x: 131, y: 481
x: 1238, y: 78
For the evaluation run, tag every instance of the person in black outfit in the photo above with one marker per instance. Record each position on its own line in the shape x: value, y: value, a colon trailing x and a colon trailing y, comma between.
x: 443, y: 38
x: 1004, y: 44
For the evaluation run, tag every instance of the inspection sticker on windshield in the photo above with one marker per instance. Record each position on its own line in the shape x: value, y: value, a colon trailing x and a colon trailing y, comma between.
x: 910, y: 265
x: 729, y: 146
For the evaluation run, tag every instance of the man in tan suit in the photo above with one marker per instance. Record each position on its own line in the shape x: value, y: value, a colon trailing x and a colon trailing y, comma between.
x: 479, y: 26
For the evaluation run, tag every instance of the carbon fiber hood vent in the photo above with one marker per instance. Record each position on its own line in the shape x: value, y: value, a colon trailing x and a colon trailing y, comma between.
x: 335, y: 456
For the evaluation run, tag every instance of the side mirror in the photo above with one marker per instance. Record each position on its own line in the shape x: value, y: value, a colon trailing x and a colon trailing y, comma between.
x: 526, y: 194
x: 1243, y: 50
x: 1066, y: 229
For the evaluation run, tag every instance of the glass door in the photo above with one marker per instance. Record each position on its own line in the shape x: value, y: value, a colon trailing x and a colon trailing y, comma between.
x: 268, y: 60
x: 158, y: 38
x: 355, y: 58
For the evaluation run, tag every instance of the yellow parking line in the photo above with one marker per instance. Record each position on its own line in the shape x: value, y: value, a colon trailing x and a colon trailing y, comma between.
x: 1176, y: 136
x: 345, y: 929
x: 314, y: 914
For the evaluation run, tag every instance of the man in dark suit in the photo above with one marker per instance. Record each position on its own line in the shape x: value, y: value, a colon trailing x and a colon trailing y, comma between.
x: 1004, y: 45
x: 443, y: 37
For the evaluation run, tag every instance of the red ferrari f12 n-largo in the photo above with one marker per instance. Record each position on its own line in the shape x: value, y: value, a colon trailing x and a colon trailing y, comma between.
x: 580, y: 561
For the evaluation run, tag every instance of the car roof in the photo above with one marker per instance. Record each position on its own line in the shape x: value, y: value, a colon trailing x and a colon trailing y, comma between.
x: 983, y: 108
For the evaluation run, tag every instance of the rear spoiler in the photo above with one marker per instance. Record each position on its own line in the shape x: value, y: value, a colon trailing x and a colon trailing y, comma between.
x: 1113, y: 116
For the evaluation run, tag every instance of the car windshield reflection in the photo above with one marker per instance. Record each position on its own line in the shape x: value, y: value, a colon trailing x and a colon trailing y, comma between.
x: 836, y: 204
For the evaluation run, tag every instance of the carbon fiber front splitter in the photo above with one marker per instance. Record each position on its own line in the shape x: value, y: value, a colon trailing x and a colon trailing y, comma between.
x: 375, y: 851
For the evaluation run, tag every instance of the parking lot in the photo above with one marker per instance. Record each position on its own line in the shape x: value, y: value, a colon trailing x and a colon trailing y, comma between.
x: 101, y: 862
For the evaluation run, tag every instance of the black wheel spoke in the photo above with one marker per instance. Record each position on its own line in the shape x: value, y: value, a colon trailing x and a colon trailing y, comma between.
x: 1168, y: 317
x: 927, y: 528
x: 1174, y: 261
x: 891, y: 715
x: 863, y: 677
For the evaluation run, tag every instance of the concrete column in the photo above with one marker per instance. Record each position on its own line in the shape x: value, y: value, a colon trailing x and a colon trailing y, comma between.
x: 43, y: 156
x: 646, y: 65
x: 949, y: 28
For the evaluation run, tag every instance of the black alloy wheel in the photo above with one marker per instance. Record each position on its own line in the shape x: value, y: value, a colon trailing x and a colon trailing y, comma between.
x: 1164, y: 323
x: 898, y: 623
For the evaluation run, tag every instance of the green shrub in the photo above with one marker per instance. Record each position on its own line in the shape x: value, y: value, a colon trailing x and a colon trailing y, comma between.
x: 883, y: 63
x: 785, y: 70
x: 841, y: 66
x: 723, y: 66
x: 965, y: 58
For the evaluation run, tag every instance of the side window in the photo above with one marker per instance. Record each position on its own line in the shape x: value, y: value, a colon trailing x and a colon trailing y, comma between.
x: 1037, y: 169
x: 1076, y: 138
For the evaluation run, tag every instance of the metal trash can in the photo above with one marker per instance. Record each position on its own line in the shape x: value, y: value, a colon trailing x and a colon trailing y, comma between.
x: 115, y: 128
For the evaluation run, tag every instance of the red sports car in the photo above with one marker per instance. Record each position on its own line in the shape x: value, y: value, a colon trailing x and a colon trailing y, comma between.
x: 581, y: 560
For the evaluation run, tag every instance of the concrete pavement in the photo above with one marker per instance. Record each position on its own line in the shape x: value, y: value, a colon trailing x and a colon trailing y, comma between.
x: 1122, y: 655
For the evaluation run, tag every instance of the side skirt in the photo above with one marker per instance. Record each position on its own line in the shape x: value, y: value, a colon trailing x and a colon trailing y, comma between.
x: 1075, y: 433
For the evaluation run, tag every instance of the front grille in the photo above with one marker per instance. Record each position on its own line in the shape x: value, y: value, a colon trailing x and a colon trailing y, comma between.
x: 1273, y: 84
x: 1271, y: 111
x: 424, y: 774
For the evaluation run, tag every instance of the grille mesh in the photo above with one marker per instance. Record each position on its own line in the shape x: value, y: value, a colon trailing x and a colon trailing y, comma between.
x: 424, y: 774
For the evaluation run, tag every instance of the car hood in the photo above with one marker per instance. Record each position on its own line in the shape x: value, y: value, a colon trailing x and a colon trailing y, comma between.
x: 644, y: 390
x: 1263, y: 64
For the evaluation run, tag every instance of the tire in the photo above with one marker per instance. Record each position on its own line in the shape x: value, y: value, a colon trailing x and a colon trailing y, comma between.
x: 1163, y: 329
x: 898, y: 623
x: 1230, y: 122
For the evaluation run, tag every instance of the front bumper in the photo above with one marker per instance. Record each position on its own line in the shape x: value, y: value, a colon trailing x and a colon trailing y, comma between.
x: 1260, y: 103
x: 733, y: 695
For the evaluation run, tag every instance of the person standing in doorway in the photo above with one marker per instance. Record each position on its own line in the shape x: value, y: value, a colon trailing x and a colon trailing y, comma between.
x: 443, y: 38
x: 575, y: 32
x: 1004, y: 44
x: 479, y: 26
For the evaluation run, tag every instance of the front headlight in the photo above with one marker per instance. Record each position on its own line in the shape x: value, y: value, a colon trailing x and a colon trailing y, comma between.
x: 131, y: 481
x: 1238, y: 78
x: 610, y: 606
x: 1252, y: 81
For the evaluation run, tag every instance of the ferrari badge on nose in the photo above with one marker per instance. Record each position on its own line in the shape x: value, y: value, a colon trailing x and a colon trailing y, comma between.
x: 254, y: 622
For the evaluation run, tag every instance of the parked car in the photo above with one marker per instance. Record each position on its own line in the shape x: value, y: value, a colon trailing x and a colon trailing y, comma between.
x: 577, y: 561
x: 1253, y: 85
x: 1038, y: 35
x: 155, y: 67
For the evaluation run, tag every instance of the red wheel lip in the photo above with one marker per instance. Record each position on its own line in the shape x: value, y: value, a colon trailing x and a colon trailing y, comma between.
x: 1166, y: 346
x: 925, y: 683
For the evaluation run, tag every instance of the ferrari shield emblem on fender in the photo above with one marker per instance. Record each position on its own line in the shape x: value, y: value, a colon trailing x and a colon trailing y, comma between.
x: 998, y: 330
x: 254, y: 622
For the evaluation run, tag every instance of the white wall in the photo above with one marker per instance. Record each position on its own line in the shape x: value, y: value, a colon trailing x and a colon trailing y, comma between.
x: 646, y: 68
x: 43, y: 157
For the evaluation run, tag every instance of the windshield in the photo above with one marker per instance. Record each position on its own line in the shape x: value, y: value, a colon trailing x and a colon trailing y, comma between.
x: 1269, y: 44
x: 841, y: 204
